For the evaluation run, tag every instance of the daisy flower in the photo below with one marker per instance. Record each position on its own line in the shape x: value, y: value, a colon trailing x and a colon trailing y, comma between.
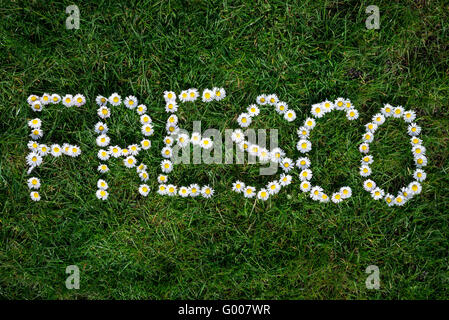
x: 171, y: 128
x: 130, y: 102
x: 337, y: 198
x: 238, y: 186
x: 166, y: 166
x: 249, y: 192
x: 304, y: 146
x: 194, y: 190
x: 145, y: 119
x: 141, y: 109
x: 414, y: 141
x: 32, y: 99
x: 339, y: 104
x: 315, y: 192
x: 237, y: 136
x: 79, y: 100
x: 264, y: 155
x: 130, y: 162
x: 398, y: 112
x: 115, y: 99
x: 253, y: 110
x: 207, y: 191
x: 147, y: 129
x: 162, y: 178
x: 104, y: 112
x: 290, y: 115
x: 368, y: 137
x: 414, y: 130
x: 56, y: 150
x: 415, y: 188
x: 371, y: 127
x: 193, y: 94
x: 243, y: 146
x: 262, y: 100
x: 303, y: 132
x: 66, y: 149
x: 33, y: 159
x: 305, y: 186
x: 219, y: 93
x: 183, y: 192
x: 102, y: 194
x: 352, y: 114
x: 35, y: 123
x: 173, y: 119
x: 134, y: 149
x: 409, y: 116
x: 196, y: 138
x: 346, y: 192
x: 273, y: 187
x: 162, y: 190
x: 272, y: 99
x: 419, y: 175
x: 369, y: 185
x: 285, y: 179
x: 103, y: 155
x: 254, y: 150
x: 277, y: 154
x: 34, y: 183
x: 37, y: 106
x: 68, y: 101
x: 327, y: 106
x: 101, y: 128
x: 33, y: 145
x: 145, y: 144
x: 35, y: 196
x: 101, y: 101
x: 183, y: 140
x: 367, y: 160
x: 244, y: 120
x: 379, y: 119
x: 102, y: 185
x: 303, y: 163
x: 420, y: 161
x: 418, y: 150
x: 115, y: 151
x: 281, y: 107
x: 365, y: 171
x: 43, y: 150
x: 75, y: 151
x: 208, y: 95
x: 377, y: 193
x: 323, y: 198
x: 317, y: 110
x: 348, y: 105
x: 125, y: 152
x: 143, y: 175
x: 364, y: 148
x: 171, y: 190
x: 399, y: 200
x: 144, y: 189
x: 287, y: 164
x: 36, y: 134
x: 184, y: 96
x: 169, y: 96
x: 141, y: 167
x: 103, y: 168
x: 310, y: 123
x: 387, y: 110
x: 306, y: 174
x: 168, y: 141
x: 206, y: 143
x: 103, y: 140
x: 167, y: 152
x: 263, y: 194
x: 389, y: 199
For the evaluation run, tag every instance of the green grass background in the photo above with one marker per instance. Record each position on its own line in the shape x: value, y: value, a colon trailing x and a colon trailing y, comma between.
x: 226, y: 247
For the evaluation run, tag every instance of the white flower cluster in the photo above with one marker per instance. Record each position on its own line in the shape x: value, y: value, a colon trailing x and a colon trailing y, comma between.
x: 129, y: 153
x: 418, y: 150
x: 38, y: 150
x: 304, y: 145
x: 245, y: 118
x: 277, y: 155
x: 183, y: 140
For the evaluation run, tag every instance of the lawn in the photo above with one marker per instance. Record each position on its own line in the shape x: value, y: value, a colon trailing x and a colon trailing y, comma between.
x: 225, y: 247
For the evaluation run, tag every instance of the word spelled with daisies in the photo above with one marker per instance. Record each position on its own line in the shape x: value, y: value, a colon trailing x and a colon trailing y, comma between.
x: 177, y: 139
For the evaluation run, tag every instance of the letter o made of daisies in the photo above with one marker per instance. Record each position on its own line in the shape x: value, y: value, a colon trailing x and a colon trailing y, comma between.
x: 304, y: 146
x: 276, y: 155
x: 418, y: 150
